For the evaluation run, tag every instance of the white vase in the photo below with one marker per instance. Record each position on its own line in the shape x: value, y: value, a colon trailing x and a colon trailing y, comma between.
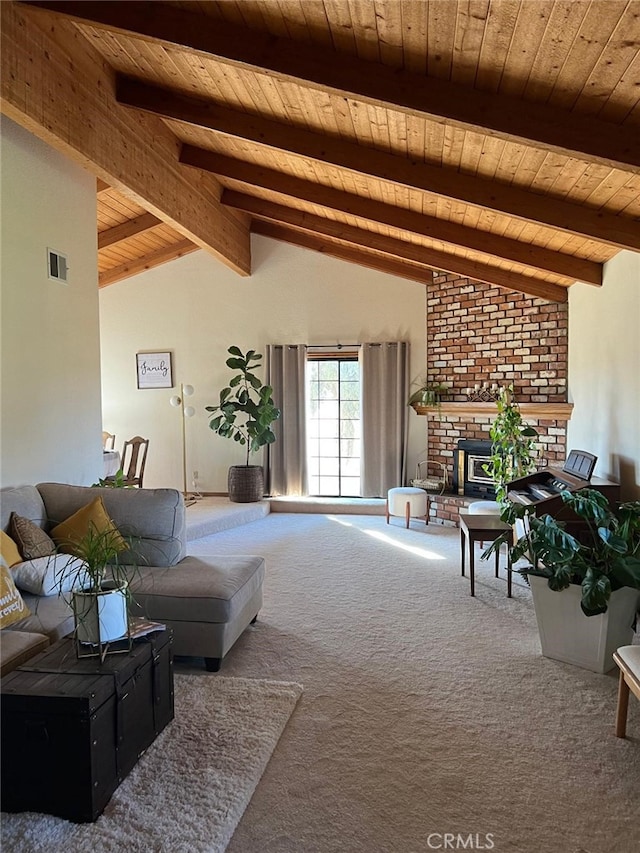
x: 101, y: 617
x: 567, y: 635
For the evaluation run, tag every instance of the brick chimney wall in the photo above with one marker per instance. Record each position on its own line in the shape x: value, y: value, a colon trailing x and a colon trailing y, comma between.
x: 478, y: 333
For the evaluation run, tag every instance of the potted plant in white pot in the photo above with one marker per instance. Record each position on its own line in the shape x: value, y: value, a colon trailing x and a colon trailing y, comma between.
x: 245, y: 413
x: 97, y: 584
x: 101, y: 607
x: 585, y: 587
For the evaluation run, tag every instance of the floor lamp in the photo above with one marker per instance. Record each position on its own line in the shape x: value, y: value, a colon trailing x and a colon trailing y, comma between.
x: 187, y: 412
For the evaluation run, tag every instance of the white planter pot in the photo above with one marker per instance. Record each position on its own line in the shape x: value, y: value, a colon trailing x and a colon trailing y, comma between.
x: 101, y: 617
x: 566, y: 634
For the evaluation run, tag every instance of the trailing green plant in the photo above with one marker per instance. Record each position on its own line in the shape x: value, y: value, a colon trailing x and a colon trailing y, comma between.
x: 428, y: 394
x: 246, y: 409
x: 512, y: 445
x: 603, y: 557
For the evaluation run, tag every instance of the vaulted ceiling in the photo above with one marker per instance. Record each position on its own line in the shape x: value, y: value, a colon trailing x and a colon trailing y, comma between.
x: 495, y: 139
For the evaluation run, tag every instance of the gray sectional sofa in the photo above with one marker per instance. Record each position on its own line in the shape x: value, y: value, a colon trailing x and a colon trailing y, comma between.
x: 206, y: 601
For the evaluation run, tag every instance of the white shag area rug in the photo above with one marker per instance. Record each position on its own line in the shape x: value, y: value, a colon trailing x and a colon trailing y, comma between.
x: 190, y: 789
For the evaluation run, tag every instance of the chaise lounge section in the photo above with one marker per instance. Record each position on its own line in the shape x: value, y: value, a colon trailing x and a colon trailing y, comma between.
x: 206, y: 601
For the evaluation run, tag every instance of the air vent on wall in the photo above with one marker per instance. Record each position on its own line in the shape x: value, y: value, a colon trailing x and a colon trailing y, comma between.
x: 57, y: 265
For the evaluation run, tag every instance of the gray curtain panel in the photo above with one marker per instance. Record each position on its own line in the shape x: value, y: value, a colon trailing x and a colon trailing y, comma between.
x: 385, y: 390
x: 286, y: 459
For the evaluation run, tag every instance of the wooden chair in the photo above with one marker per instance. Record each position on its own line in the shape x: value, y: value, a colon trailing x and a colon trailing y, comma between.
x: 108, y: 440
x: 134, y: 457
x: 628, y: 660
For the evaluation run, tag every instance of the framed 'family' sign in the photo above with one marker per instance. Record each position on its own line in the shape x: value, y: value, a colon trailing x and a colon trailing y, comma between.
x: 154, y: 370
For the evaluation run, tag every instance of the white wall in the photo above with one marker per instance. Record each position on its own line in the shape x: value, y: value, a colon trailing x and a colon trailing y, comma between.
x: 50, y: 355
x: 604, y: 372
x: 196, y: 308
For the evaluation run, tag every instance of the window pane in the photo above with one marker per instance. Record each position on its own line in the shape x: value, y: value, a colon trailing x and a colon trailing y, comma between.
x: 349, y: 429
x: 327, y: 369
x: 328, y: 390
x: 312, y: 370
x: 350, y: 371
x: 350, y: 409
x: 350, y: 467
x: 329, y: 486
x: 329, y: 467
x: 350, y: 487
x: 350, y: 447
x: 329, y: 447
x: 328, y: 409
x: 328, y: 428
x: 349, y: 390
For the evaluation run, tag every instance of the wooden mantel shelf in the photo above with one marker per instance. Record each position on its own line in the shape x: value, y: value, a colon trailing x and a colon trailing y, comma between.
x: 552, y: 411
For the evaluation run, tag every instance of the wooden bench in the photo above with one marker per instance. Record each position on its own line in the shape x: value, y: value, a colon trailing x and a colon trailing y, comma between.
x: 628, y: 660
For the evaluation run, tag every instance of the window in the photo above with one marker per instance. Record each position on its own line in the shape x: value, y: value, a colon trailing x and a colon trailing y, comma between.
x: 333, y: 426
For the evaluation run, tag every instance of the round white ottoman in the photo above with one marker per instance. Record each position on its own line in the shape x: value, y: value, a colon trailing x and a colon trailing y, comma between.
x: 408, y: 502
x: 484, y: 508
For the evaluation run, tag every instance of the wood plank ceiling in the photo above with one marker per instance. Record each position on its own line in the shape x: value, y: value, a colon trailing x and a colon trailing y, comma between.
x: 497, y: 139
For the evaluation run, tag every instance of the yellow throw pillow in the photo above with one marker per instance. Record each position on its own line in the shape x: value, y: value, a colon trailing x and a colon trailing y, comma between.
x: 92, y: 518
x: 9, y: 549
x: 12, y: 607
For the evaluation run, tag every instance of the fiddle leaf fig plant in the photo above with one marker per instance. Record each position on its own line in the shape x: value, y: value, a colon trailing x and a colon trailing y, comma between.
x: 246, y: 409
x: 512, y: 445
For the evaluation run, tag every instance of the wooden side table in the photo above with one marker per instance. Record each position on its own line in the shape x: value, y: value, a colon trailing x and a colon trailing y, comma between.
x: 482, y: 528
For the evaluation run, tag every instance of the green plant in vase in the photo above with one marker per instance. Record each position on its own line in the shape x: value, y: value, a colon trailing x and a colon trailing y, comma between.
x: 97, y: 582
x: 428, y: 394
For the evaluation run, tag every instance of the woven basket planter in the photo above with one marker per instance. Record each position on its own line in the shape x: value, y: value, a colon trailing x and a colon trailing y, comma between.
x: 245, y: 483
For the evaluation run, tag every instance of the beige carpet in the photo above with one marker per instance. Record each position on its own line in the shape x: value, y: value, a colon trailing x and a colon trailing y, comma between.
x: 426, y: 712
x: 188, y: 791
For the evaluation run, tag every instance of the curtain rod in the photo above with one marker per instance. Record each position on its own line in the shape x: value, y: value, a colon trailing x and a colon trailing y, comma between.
x: 333, y: 346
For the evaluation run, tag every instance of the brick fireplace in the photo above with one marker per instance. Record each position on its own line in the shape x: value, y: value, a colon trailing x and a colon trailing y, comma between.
x: 480, y: 334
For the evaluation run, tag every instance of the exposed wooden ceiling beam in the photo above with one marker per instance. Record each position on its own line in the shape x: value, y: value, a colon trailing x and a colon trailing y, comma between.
x: 399, y: 250
x: 570, y: 268
x: 127, y: 229
x: 56, y: 86
x: 543, y: 210
x: 146, y: 262
x: 101, y: 187
x: 541, y: 125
